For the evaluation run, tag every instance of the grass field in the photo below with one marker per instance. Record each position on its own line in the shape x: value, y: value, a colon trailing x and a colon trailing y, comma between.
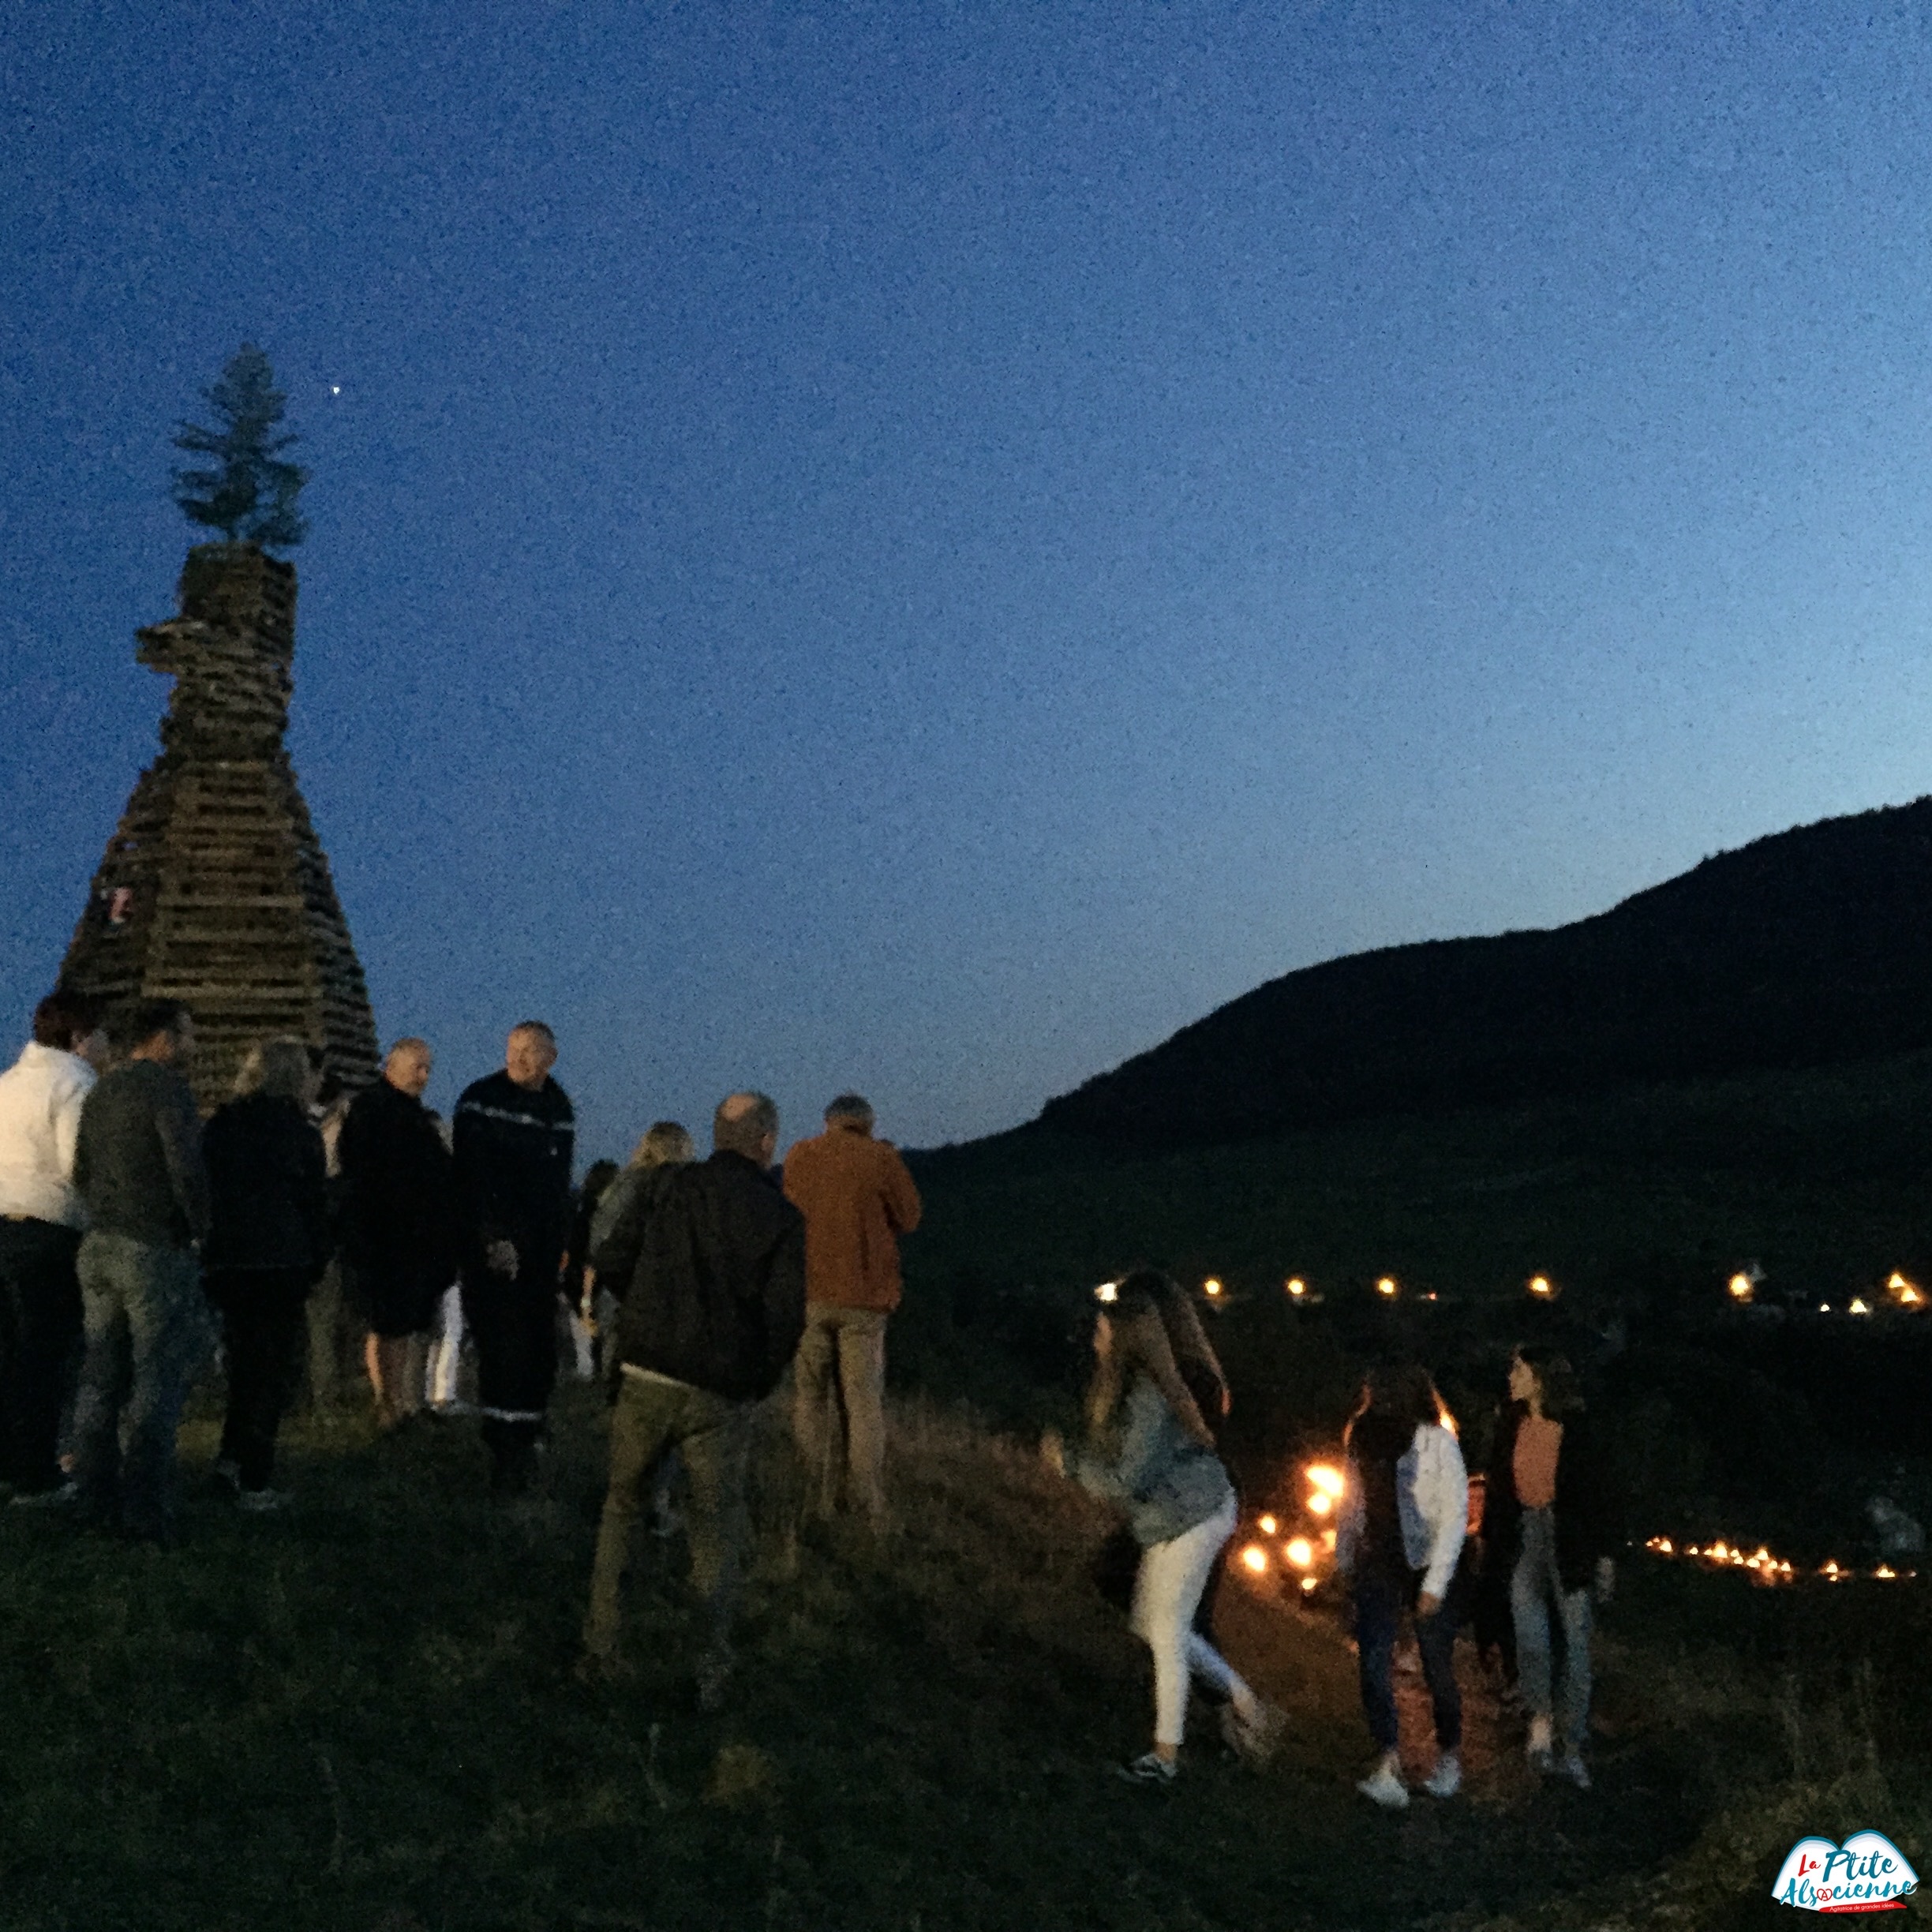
x: 361, y: 1716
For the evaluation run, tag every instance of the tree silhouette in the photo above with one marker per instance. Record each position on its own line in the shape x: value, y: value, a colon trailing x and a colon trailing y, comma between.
x: 251, y: 497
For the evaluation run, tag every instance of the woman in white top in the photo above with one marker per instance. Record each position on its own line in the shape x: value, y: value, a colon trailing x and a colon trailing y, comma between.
x: 1404, y: 1515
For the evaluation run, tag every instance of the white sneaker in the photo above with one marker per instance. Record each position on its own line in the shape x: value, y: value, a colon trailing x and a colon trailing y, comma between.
x: 1385, y: 1787
x: 62, y: 1495
x: 1446, y: 1780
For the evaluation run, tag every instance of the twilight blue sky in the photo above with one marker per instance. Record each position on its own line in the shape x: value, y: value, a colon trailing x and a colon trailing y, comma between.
x: 924, y: 547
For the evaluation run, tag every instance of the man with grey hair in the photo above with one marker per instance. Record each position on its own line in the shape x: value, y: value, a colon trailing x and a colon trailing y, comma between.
x: 713, y: 1285
x: 857, y: 1199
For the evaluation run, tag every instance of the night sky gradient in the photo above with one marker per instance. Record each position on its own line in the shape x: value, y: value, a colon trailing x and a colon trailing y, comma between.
x: 922, y: 547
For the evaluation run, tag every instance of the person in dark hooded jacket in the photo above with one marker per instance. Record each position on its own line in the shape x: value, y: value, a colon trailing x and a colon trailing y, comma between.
x: 268, y: 1241
x: 711, y: 1319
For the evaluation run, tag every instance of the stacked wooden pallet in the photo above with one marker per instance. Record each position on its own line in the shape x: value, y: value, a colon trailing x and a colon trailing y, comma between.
x: 214, y: 889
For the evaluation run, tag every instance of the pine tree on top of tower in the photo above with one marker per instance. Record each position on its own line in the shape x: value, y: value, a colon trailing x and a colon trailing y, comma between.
x: 251, y: 497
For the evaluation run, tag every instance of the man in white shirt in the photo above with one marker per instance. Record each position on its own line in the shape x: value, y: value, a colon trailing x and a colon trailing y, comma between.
x: 41, y: 1222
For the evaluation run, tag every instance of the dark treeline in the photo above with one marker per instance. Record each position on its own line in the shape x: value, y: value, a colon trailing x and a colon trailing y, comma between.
x: 1804, y: 949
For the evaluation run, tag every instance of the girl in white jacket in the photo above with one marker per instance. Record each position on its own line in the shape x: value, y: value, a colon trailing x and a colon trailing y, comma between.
x: 1403, y: 1518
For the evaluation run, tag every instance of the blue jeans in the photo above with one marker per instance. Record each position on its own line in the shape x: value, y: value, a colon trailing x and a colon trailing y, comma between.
x: 1535, y: 1586
x: 149, y: 1330
x: 1380, y: 1601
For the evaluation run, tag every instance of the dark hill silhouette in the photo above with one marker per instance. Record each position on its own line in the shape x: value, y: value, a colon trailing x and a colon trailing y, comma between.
x: 1811, y: 946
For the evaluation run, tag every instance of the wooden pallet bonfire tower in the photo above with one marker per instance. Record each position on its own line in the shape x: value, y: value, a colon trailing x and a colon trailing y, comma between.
x: 214, y: 889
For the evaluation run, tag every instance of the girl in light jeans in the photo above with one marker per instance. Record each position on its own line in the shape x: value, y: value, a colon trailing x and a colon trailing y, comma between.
x: 1552, y: 1523
x: 1180, y: 1506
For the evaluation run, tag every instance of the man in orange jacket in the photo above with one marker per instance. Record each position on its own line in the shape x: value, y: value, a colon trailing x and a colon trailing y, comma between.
x: 857, y: 1199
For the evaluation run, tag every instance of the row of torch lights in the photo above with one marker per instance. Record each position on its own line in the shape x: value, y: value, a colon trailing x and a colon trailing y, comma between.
x: 1742, y: 1288
x: 1899, y: 1293
x: 1301, y: 1555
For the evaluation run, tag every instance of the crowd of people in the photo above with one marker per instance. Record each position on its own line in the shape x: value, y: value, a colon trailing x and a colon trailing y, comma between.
x: 128, y: 1228
x: 1550, y: 1527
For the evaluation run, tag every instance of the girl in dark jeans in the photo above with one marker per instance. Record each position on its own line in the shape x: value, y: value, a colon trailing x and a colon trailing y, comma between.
x: 268, y: 1246
x: 1403, y: 1517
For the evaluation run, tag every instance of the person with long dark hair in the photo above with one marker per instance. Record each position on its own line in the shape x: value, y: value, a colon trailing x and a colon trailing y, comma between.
x: 1403, y: 1516
x: 1552, y: 1523
x: 1146, y: 1458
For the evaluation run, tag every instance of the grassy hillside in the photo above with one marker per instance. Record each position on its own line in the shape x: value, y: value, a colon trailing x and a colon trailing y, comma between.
x: 1801, y: 949
x: 361, y: 1717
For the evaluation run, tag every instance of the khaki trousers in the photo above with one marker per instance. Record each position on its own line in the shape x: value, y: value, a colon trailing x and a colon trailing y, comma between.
x: 654, y: 1414
x: 841, y: 1366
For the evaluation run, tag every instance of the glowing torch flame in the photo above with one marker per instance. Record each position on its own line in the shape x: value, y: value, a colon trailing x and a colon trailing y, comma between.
x: 1300, y: 1552
x: 1254, y: 1560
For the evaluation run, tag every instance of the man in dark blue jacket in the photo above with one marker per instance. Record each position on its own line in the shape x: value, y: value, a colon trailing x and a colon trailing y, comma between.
x: 712, y: 1273
x: 513, y: 1132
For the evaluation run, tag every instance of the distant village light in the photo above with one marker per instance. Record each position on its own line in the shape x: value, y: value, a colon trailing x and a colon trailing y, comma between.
x: 1904, y: 1292
x: 1254, y: 1559
x: 1296, y: 1286
x: 1386, y: 1285
x: 1210, y: 1287
x: 1742, y: 1289
x: 1300, y: 1552
x: 1107, y: 1291
x: 1540, y: 1286
x: 1860, y: 1305
x: 1267, y: 1525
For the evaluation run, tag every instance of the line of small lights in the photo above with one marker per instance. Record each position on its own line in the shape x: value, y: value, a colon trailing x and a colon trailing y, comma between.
x: 1763, y: 1566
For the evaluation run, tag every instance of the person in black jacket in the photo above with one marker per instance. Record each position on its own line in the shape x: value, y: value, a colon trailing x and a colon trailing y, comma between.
x: 1551, y: 1524
x: 401, y: 1226
x: 714, y: 1256
x: 268, y: 1241
x: 514, y: 1132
